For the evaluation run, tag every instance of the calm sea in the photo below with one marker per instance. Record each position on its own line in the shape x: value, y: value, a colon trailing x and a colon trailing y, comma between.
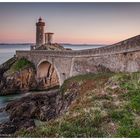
x: 8, y: 51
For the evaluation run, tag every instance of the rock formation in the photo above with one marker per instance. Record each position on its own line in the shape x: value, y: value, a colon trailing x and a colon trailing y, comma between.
x: 19, y: 75
x: 16, y: 81
x: 43, y: 106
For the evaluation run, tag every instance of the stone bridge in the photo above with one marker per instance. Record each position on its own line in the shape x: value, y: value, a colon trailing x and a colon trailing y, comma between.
x: 121, y: 57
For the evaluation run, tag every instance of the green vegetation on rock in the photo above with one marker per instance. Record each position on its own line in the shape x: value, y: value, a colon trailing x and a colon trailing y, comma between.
x: 81, y: 78
x: 107, y: 105
x: 19, y: 65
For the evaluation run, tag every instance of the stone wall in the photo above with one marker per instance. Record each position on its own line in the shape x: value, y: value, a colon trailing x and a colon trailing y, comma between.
x: 129, y: 62
x: 67, y: 66
x: 77, y: 53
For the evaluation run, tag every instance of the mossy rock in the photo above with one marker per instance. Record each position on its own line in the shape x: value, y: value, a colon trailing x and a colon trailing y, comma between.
x: 20, y: 64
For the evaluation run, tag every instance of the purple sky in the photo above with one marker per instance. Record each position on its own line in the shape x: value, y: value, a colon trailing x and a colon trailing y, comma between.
x: 98, y: 23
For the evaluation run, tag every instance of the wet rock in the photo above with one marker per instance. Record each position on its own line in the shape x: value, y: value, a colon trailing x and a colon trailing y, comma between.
x: 7, y: 128
x: 2, y: 109
x: 34, y: 106
x: 42, y: 106
x: 11, y: 127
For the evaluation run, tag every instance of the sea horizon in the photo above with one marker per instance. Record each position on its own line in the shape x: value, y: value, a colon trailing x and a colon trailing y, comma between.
x: 87, y: 44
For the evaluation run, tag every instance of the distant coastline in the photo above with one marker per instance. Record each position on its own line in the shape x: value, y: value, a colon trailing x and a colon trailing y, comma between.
x: 16, y: 43
x: 70, y: 44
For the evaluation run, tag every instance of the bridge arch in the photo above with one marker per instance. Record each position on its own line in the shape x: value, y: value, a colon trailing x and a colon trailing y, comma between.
x: 47, y: 74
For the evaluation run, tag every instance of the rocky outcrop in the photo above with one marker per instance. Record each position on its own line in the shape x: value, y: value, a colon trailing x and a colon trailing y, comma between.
x: 19, y: 82
x: 19, y: 76
x: 8, y: 128
x: 43, y: 106
x: 33, y: 106
x: 16, y: 81
x: 5, y: 66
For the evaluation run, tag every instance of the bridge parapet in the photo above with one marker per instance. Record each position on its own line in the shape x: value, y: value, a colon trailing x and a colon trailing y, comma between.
x: 79, y: 53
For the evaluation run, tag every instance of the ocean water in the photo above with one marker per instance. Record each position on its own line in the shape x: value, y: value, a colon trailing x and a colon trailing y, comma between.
x: 4, y: 100
x: 8, y: 51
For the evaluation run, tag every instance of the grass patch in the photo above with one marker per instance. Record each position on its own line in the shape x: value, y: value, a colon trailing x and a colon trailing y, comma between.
x: 80, y: 78
x: 127, y: 115
x: 19, y: 65
x: 86, y: 125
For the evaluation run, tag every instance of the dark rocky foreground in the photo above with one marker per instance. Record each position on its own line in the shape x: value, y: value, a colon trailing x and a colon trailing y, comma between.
x: 43, y: 106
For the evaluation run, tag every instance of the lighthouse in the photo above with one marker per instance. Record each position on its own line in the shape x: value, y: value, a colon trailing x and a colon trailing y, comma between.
x: 40, y: 32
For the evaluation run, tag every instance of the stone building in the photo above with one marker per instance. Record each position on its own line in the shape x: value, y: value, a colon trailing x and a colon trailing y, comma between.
x: 44, y: 39
x: 40, y: 32
x: 48, y: 38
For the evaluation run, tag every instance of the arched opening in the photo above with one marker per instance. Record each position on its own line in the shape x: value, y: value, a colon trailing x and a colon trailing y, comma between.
x: 47, y: 76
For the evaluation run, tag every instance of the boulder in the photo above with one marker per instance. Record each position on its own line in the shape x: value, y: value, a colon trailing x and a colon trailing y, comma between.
x: 11, y: 127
